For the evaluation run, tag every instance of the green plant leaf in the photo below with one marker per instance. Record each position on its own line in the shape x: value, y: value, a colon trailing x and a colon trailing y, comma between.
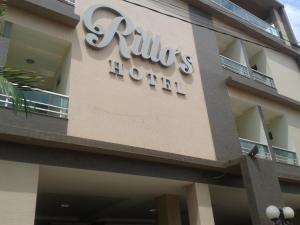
x: 13, y: 83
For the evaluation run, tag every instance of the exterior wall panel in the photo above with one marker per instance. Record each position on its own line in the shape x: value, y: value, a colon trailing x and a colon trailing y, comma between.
x: 18, y: 191
x: 127, y: 112
x: 285, y: 72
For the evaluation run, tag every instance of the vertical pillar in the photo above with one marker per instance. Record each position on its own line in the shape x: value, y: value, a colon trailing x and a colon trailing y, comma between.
x: 266, y: 132
x: 262, y: 187
x: 169, y: 210
x: 215, y: 91
x: 298, y: 61
x: 199, y: 205
x: 4, y: 42
x: 18, y: 191
x: 279, y: 24
x: 247, y: 60
x: 297, y: 217
x: 287, y: 25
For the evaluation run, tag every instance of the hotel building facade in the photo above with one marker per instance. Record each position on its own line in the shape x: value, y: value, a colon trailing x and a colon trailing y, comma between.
x: 147, y: 112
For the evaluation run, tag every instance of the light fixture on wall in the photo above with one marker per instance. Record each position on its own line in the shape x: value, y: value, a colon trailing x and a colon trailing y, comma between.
x: 152, y: 210
x: 279, y: 216
x: 30, y: 61
x: 65, y: 205
x: 254, y: 151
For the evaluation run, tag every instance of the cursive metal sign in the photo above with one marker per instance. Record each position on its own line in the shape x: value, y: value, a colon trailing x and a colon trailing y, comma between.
x: 144, y: 44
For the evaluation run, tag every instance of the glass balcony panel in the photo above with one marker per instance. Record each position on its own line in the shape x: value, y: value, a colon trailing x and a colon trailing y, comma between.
x: 247, y: 16
x: 285, y: 156
x: 262, y: 78
x: 69, y: 2
x: 234, y: 66
x: 41, y: 101
x: 247, y: 146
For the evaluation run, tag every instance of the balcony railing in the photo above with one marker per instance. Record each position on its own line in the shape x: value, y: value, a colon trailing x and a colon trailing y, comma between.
x: 285, y: 156
x: 247, y: 16
x: 69, y: 2
x: 263, y: 78
x: 235, y: 66
x: 244, y: 71
x: 263, y: 150
x: 40, y: 101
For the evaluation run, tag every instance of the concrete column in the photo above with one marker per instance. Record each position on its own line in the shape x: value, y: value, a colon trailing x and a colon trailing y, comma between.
x: 4, y: 42
x: 18, y: 191
x: 297, y: 217
x: 287, y: 25
x: 266, y: 132
x: 199, y: 205
x: 262, y: 187
x: 298, y: 61
x: 247, y: 60
x: 279, y: 24
x: 169, y: 210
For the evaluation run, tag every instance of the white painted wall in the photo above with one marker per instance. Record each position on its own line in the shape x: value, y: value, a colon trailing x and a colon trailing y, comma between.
x: 250, y: 126
x: 235, y: 51
x: 18, y: 191
x: 63, y: 87
x: 260, y: 60
x: 280, y: 132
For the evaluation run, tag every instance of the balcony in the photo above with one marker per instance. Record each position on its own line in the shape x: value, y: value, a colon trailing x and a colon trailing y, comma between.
x: 61, y: 11
x: 45, y: 61
x: 245, y: 71
x: 263, y: 150
x: 247, y: 16
x: 263, y: 78
x: 42, y: 102
x: 234, y: 66
x: 282, y: 155
x: 285, y: 156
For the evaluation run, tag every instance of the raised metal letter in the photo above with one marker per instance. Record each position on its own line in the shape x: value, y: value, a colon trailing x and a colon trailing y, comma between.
x: 166, y: 84
x: 116, y: 68
x: 152, y: 79
x: 179, y: 88
x: 135, y: 75
x: 98, y: 37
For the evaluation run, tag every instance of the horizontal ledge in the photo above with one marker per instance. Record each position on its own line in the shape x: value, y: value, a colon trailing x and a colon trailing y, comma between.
x: 261, y: 91
x: 64, y: 142
x: 55, y: 10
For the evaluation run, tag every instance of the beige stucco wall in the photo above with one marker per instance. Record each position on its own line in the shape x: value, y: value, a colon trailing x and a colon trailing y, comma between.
x: 285, y: 73
x: 121, y: 110
x: 131, y: 113
x: 199, y: 205
x: 270, y: 108
x: 18, y: 191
